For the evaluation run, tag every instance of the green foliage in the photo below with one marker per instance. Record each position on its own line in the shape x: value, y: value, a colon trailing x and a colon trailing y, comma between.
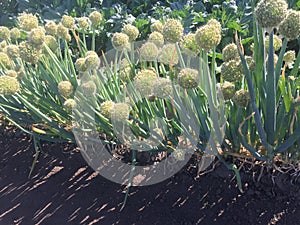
x: 262, y: 115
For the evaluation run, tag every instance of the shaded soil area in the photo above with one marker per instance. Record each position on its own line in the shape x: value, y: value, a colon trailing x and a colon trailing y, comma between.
x: 64, y: 190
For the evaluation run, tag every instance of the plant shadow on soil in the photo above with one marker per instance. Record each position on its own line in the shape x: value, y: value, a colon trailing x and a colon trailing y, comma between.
x: 65, y: 190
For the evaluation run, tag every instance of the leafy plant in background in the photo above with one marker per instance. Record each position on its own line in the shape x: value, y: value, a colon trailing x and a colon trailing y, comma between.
x: 140, y: 14
x: 48, y: 9
x: 7, y: 12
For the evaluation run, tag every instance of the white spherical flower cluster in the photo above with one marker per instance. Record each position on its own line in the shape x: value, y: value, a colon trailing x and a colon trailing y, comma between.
x: 173, y: 31
x: 168, y: 55
x: 131, y: 31
x: 148, y: 51
x: 269, y: 13
x: 209, y: 35
x: 120, y: 41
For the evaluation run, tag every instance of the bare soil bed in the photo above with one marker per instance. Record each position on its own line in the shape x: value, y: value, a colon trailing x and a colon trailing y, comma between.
x: 65, y: 190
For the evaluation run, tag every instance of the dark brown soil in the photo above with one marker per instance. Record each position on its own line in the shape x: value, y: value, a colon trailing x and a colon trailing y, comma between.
x: 64, y: 190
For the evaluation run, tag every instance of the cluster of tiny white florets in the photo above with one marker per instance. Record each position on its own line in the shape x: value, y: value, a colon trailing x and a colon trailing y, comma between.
x: 4, y: 33
x: 131, y: 31
x: 36, y: 36
x: 120, y: 112
x: 228, y: 90
x: 173, y: 31
x: 83, y: 23
x: 63, y: 32
x: 168, y: 55
x: 241, y: 98
x: 70, y: 104
x: 144, y: 81
x: 290, y: 26
x: 208, y: 36
x: 120, y: 41
x: 15, y: 33
x: 148, y: 51
x: 230, y: 52
x: 95, y: 18
x: 189, y: 46
x: 9, y: 85
x: 5, y: 60
x: 188, y: 78
x: 277, y: 42
x: 232, y: 70
x: 269, y: 13
x: 88, y: 88
x: 106, y: 108
x: 91, y: 61
x: 68, y: 21
x: 157, y: 38
x: 51, y: 28
x: 65, y: 88
x: 289, y: 57
x: 162, y: 88
x: 157, y: 26
x: 29, y: 53
x: 12, y: 51
x: 28, y: 21
x: 3, y: 44
x: 51, y: 42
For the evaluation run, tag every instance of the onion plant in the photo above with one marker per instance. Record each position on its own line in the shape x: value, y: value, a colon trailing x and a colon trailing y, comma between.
x: 269, y: 125
x: 168, y: 94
